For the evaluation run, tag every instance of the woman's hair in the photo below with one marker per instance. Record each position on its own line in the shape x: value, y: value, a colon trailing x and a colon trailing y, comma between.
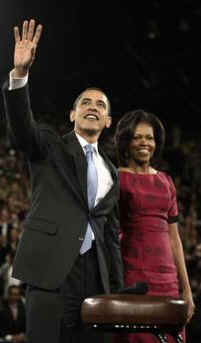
x: 125, y: 130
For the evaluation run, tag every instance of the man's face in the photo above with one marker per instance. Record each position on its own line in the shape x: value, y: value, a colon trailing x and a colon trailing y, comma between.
x: 91, y: 113
x: 14, y: 295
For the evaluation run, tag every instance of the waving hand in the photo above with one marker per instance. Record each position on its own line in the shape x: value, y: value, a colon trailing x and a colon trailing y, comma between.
x: 25, y: 46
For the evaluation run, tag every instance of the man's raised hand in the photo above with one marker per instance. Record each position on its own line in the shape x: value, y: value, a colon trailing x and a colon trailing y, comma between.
x: 25, y: 46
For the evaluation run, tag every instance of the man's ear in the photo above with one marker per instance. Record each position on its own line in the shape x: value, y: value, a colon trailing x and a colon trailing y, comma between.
x: 108, y: 122
x: 72, y: 115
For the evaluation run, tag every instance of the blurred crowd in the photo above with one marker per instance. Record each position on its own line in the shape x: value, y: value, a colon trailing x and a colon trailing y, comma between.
x: 14, y: 204
x: 181, y: 160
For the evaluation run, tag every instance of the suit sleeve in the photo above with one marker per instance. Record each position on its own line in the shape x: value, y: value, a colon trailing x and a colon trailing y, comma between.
x: 113, y: 247
x: 20, y: 124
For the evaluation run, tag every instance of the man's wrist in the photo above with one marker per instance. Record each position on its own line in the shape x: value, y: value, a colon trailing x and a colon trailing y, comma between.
x: 19, y: 73
x: 17, y: 82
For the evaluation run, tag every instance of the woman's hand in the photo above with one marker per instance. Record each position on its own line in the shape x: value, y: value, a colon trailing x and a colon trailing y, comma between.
x: 187, y: 295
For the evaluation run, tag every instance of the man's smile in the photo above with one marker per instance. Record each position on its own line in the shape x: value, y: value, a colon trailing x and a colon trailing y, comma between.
x: 91, y: 116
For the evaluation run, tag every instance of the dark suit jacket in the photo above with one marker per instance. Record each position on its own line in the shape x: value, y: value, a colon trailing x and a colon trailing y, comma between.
x: 56, y: 223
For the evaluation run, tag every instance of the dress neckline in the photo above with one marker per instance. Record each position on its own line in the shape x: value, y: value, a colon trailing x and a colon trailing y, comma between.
x: 141, y: 174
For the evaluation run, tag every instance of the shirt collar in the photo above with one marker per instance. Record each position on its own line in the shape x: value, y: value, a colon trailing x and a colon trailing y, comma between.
x: 83, y: 143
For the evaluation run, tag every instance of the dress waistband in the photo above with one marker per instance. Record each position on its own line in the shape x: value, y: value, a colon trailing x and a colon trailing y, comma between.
x: 146, y: 224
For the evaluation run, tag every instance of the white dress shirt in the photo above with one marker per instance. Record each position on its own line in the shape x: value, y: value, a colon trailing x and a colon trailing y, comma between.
x: 105, y: 181
x: 104, y: 177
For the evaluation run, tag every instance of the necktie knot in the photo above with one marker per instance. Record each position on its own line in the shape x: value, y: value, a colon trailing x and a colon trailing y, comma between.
x: 89, y: 148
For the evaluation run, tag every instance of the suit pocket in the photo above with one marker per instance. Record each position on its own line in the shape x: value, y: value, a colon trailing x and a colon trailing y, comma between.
x: 41, y: 225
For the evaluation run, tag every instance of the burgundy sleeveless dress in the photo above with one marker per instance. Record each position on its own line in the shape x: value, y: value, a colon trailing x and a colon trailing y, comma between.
x: 147, y: 205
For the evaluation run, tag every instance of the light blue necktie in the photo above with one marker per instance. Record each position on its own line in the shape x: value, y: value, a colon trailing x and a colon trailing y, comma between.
x: 92, y: 184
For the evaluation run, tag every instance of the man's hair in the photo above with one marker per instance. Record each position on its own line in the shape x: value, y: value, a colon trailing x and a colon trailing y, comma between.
x: 91, y: 89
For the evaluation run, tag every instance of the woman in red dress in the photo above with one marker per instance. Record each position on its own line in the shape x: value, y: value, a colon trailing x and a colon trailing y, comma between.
x: 151, y: 247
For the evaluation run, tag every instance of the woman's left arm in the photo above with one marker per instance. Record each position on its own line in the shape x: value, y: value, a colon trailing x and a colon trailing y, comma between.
x: 178, y: 254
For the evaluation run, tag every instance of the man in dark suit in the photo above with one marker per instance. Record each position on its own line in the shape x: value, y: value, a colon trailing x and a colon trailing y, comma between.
x: 51, y: 258
x: 12, y: 316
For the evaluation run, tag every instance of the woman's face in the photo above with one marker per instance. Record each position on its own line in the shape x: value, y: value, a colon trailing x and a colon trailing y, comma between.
x: 143, y: 144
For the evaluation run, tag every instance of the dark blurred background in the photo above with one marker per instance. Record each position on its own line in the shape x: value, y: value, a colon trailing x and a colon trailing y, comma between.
x: 144, y: 54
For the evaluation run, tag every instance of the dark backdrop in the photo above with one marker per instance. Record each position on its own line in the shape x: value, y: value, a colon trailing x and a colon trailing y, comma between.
x: 142, y: 53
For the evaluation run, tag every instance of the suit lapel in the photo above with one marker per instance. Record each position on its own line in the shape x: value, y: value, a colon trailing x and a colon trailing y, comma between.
x: 113, y: 171
x: 110, y: 165
x: 74, y: 148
